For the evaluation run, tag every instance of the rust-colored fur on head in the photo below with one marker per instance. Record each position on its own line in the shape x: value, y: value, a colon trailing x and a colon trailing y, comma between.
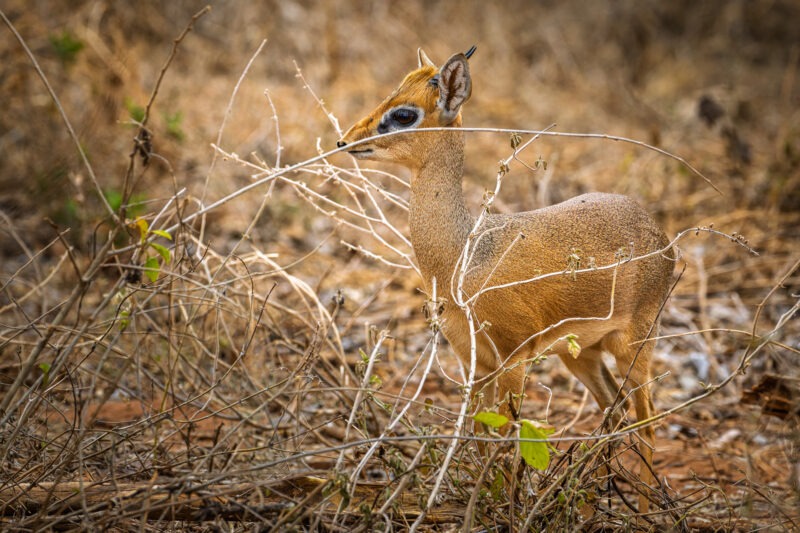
x: 428, y: 97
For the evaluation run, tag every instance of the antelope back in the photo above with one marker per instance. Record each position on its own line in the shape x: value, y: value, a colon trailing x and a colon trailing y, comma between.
x: 428, y: 97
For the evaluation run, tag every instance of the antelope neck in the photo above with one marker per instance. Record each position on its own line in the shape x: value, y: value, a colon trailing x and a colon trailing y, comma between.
x: 438, y: 217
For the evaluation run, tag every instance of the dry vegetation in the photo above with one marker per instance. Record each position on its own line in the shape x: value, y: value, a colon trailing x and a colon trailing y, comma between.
x: 269, y: 365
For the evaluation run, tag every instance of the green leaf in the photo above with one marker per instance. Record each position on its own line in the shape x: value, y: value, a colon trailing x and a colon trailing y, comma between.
x: 535, y: 454
x: 45, y: 368
x: 114, y: 199
x: 162, y: 233
x: 136, y: 111
x: 151, y: 268
x: 493, y: 420
x: 174, y: 127
x: 66, y: 46
x: 163, y: 251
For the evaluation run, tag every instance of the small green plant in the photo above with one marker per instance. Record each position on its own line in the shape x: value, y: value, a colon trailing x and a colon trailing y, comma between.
x: 498, y: 483
x: 125, y: 319
x: 45, y: 368
x: 66, y: 46
x: 68, y: 213
x: 134, y: 110
x: 114, y: 199
x: 175, y: 125
x: 152, y: 265
x: 134, y: 207
x: 375, y: 381
x: 533, y: 445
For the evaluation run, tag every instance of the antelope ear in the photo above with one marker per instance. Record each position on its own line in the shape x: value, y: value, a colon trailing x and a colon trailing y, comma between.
x: 455, y: 88
x: 424, y: 60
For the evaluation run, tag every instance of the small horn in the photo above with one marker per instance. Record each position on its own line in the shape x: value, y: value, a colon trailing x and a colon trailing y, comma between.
x: 424, y: 60
x: 471, y: 51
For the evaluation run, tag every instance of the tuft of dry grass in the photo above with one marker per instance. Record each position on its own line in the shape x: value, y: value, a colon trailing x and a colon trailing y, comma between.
x: 214, y: 322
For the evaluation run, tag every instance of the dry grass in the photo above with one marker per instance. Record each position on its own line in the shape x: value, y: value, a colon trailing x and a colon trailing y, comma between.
x: 278, y: 372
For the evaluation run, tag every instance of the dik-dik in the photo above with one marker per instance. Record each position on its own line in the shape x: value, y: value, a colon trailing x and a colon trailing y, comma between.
x: 609, y: 310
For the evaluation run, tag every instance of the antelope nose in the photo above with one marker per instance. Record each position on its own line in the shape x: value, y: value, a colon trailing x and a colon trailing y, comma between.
x: 341, y: 144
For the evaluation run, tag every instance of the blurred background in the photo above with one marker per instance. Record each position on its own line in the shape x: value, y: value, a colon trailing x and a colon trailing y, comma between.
x: 713, y: 82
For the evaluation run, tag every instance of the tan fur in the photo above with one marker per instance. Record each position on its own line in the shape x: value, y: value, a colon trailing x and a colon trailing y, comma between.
x: 599, y: 226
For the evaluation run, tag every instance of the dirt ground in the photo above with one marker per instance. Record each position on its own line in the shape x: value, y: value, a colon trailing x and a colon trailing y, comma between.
x: 194, y: 336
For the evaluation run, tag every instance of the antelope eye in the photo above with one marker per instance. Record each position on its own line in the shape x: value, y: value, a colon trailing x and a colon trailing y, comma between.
x: 404, y: 117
